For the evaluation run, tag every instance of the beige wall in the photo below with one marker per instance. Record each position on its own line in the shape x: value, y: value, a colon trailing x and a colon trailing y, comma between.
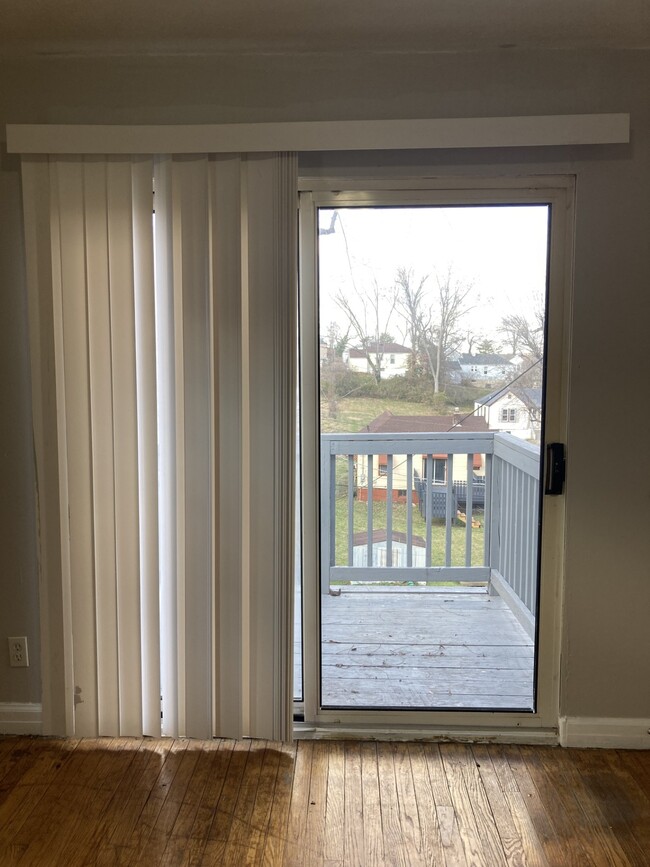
x: 606, y: 662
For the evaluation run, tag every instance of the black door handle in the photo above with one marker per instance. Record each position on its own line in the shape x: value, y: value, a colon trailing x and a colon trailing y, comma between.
x: 555, y: 470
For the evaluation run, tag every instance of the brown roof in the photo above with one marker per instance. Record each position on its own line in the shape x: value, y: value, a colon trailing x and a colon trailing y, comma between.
x: 389, y: 423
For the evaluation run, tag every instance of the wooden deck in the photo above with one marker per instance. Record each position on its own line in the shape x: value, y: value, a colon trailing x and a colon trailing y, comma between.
x: 415, y: 648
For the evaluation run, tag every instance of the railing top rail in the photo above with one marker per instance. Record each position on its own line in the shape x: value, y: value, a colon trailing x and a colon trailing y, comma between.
x: 447, y: 442
x: 524, y: 455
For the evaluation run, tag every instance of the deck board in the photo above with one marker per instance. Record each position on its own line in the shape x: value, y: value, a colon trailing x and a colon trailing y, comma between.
x: 445, y: 649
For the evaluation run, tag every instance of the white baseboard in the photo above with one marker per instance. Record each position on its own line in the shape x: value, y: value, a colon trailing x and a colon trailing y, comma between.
x: 606, y: 732
x: 20, y: 719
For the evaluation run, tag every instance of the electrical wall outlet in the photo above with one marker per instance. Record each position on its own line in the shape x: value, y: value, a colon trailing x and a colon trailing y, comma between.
x: 18, y: 654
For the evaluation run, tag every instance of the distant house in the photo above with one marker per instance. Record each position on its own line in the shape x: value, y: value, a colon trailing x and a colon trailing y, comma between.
x: 515, y: 410
x: 389, y: 423
x: 394, y: 359
x: 487, y: 368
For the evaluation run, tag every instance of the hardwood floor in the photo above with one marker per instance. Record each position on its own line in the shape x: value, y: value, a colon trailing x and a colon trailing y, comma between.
x: 319, y: 804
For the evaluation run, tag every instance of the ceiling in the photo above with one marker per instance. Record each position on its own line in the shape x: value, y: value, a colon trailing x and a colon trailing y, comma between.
x: 208, y: 26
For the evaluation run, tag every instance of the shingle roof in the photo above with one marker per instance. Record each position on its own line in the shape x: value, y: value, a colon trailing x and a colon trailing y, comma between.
x: 532, y: 397
x: 389, y: 423
x: 492, y: 358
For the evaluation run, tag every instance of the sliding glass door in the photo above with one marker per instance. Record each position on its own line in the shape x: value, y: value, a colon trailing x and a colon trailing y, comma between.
x: 425, y: 344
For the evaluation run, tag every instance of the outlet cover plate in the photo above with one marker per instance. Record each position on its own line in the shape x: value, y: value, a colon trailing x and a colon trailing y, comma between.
x: 18, y: 652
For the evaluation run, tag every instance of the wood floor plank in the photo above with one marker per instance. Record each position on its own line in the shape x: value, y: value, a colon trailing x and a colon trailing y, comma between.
x: 469, y: 826
x: 432, y: 848
x: 263, y: 804
x: 56, y: 816
x: 619, y: 805
x: 459, y: 756
x: 637, y: 764
x: 123, y: 812
x: 317, y: 808
x: 319, y: 804
x: 522, y: 792
x: 242, y: 835
x: 407, y: 804
x: 603, y: 844
x: 130, y: 840
x: 353, y: 807
x: 518, y: 837
x: 82, y: 840
x: 395, y: 852
x: 178, y: 845
x: 559, y: 804
x: 23, y: 797
x: 223, y: 817
x: 450, y: 835
x: 208, y: 804
x: 334, y: 849
x: 279, y: 817
x: 297, y: 819
x: 373, y: 836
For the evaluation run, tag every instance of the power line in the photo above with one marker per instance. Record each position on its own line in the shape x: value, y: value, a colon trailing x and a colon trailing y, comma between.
x: 496, y: 394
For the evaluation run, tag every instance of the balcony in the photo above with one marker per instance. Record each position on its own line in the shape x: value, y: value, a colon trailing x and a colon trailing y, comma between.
x: 428, y: 570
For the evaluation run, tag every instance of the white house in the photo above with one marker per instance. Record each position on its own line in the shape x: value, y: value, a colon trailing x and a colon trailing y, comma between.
x: 513, y: 410
x: 389, y: 423
x: 487, y: 367
x: 393, y: 356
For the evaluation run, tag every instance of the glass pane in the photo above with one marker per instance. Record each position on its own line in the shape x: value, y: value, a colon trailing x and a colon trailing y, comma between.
x: 432, y: 324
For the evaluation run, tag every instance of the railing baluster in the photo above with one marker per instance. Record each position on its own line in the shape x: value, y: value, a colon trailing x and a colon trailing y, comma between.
x: 333, y: 510
x: 389, y: 511
x: 489, y: 548
x: 468, y: 510
x: 350, y: 510
x: 521, y: 520
x: 325, y: 515
x: 427, y: 509
x: 409, y: 510
x: 534, y: 512
x: 369, y: 504
x: 507, y: 528
x: 449, y: 508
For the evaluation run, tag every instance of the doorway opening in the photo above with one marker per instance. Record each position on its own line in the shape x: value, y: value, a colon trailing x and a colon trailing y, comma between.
x: 428, y: 414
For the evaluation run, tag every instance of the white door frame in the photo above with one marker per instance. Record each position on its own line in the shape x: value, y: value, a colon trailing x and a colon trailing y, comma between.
x: 559, y: 193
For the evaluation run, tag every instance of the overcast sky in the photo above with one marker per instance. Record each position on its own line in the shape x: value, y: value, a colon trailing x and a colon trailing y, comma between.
x: 500, y: 250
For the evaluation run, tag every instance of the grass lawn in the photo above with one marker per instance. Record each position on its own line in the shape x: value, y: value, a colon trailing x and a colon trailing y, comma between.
x: 356, y: 412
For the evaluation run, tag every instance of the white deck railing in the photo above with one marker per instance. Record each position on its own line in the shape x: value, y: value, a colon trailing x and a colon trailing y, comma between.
x: 509, y: 493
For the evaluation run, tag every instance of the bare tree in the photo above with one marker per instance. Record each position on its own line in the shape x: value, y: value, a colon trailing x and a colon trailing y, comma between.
x: 433, y: 320
x: 525, y: 334
x: 336, y: 340
x: 526, y: 337
x: 369, y: 313
x: 410, y: 301
x: 443, y: 336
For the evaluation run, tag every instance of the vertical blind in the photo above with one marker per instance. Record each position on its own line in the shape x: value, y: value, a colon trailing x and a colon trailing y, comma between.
x: 173, y: 316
